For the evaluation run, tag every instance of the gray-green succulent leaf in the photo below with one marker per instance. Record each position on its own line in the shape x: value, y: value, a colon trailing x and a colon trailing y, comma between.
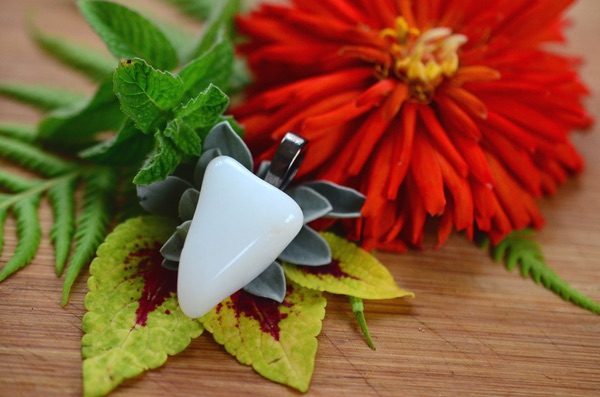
x: 224, y: 138
x: 269, y: 284
x: 346, y: 202
x: 312, y: 204
x: 206, y: 157
x: 308, y: 248
x: 160, y: 198
x: 188, y: 203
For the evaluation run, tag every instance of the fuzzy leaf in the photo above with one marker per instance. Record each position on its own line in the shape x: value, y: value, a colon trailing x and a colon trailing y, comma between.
x: 62, y: 200
x: 520, y: 249
x: 307, y: 248
x: 92, y: 224
x: 202, y: 163
x: 20, y: 132
x: 161, y: 162
x: 269, y: 284
x: 187, y: 204
x: 205, y: 110
x: 215, y: 66
x: 128, y: 34
x: 346, y: 202
x: 277, y: 340
x: 40, y: 97
x: 33, y: 158
x: 133, y: 321
x: 224, y: 139
x: 29, y: 235
x: 128, y: 147
x: 147, y: 95
x: 160, y: 198
x: 353, y: 272
x: 99, y: 113
x: 88, y: 61
x: 313, y: 204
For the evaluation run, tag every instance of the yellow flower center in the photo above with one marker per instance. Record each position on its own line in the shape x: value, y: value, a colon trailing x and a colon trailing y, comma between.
x: 421, y: 59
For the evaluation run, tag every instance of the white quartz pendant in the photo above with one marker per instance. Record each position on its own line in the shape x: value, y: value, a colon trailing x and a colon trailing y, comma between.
x: 240, y: 226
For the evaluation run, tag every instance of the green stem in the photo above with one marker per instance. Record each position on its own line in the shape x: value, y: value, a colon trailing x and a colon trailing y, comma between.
x: 359, y: 313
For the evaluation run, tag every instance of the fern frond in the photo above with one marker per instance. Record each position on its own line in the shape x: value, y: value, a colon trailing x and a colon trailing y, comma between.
x: 29, y: 235
x: 89, y: 62
x: 43, y: 98
x: 20, y: 132
x: 93, y: 222
x: 16, y: 184
x: 520, y: 249
x: 62, y: 200
x: 3, y: 214
x: 33, y: 158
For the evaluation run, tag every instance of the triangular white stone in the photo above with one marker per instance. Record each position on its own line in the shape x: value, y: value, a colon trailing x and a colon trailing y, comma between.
x: 240, y: 226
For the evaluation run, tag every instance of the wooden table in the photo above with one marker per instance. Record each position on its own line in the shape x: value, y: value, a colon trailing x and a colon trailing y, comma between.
x: 473, y: 329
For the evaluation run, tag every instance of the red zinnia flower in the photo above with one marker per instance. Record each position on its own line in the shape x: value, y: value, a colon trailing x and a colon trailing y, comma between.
x: 446, y: 110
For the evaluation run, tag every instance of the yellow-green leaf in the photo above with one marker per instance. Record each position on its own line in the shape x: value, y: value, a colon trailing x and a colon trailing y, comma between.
x: 352, y: 272
x: 133, y: 321
x: 277, y: 340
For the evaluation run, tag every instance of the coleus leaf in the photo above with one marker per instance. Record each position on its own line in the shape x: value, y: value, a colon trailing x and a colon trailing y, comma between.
x: 353, y: 272
x: 277, y: 339
x: 147, y: 95
x: 128, y: 34
x: 133, y: 321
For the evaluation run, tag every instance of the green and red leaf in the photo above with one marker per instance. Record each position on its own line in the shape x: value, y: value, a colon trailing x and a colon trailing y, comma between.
x: 352, y: 272
x: 133, y: 321
x: 277, y: 339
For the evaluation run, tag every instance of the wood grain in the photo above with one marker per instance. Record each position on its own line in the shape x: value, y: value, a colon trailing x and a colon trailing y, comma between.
x: 473, y: 330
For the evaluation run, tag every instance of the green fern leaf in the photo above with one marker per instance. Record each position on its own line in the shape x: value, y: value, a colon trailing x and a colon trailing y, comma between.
x: 44, y: 98
x: 62, y: 200
x: 16, y: 184
x: 93, y: 222
x: 3, y: 214
x: 520, y: 249
x: 20, y: 132
x: 89, y: 62
x: 29, y: 234
x: 33, y: 158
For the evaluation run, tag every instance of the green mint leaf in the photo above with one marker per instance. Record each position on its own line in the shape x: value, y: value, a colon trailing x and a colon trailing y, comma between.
x: 147, y: 95
x: 89, y: 62
x: 520, y: 249
x: 128, y: 34
x: 40, y: 97
x: 359, y: 313
x: 92, y: 222
x: 353, y: 272
x: 205, y: 110
x: 198, y: 9
x: 277, y: 339
x: 78, y: 123
x: 184, y: 137
x: 128, y: 147
x: 218, y: 27
x: 161, y: 162
x: 214, y: 66
x: 133, y: 321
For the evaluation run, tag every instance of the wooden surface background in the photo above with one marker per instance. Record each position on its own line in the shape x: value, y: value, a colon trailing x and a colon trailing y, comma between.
x: 473, y: 329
